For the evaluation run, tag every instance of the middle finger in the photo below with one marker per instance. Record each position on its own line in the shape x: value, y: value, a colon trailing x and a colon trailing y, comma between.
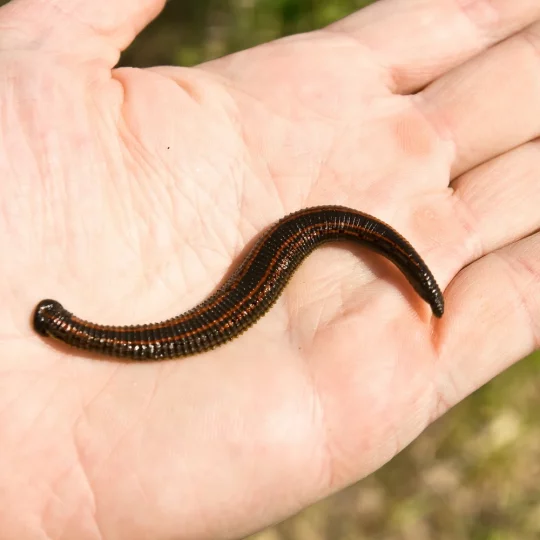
x: 490, y: 104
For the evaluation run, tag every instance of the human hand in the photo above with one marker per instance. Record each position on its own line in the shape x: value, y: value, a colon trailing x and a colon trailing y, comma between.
x: 128, y: 194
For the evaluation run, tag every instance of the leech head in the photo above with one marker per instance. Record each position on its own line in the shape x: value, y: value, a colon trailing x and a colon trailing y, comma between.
x: 434, y: 297
x: 43, y: 314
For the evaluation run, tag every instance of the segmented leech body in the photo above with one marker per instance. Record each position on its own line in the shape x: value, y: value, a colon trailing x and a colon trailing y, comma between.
x: 248, y: 294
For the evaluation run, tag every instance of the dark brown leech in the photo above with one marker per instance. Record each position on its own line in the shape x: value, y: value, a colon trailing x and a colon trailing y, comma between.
x: 248, y: 294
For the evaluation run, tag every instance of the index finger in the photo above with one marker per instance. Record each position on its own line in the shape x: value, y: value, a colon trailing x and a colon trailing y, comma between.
x: 416, y: 41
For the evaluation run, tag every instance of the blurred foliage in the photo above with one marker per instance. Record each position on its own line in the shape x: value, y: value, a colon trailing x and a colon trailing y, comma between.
x: 187, y: 33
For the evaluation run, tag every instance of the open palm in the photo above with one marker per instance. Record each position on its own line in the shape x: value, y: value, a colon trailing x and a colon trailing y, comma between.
x: 128, y: 194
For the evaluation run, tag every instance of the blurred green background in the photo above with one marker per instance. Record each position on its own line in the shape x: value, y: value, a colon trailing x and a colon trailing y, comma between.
x: 190, y: 31
x: 475, y: 473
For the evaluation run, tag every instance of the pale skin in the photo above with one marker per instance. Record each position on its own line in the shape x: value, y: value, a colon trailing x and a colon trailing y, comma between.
x: 127, y: 195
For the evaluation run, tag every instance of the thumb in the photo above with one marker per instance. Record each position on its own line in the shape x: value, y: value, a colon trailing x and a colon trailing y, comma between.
x: 84, y: 30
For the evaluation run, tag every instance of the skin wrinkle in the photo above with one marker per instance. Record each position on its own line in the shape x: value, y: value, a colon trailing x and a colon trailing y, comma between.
x: 85, y: 469
x: 521, y: 294
x: 358, y: 50
x: 441, y: 404
x: 239, y: 243
x: 66, y: 534
x: 446, y: 380
x: 125, y: 190
x: 338, y: 314
x: 206, y: 279
x: 338, y: 307
x: 53, y: 491
x: 216, y: 239
x: 265, y: 178
x: 293, y: 334
x: 114, y: 448
x: 174, y: 77
x: 152, y: 394
x: 271, y: 177
x: 317, y: 322
x: 346, y: 297
x: 101, y: 391
x: 90, y: 490
x: 149, y: 281
x: 129, y: 142
x: 469, y: 225
x: 433, y: 118
x: 45, y: 535
x: 317, y: 173
x: 399, y: 74
x: 272, y: 111
x: 481, y: 13
x: 277, y: 187
x: 531, y: 36
x: 411, y: 136
x: 266, y: 181
x: 327, y: 462
x: 49, y: 400
x: 55, y: 498
x: 167, y: 165
x: 510, y: 167
x: 5, y: 409
x: 387, y: 76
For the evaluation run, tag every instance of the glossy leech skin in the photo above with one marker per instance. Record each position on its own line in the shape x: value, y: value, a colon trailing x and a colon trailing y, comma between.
x: 248, y: 294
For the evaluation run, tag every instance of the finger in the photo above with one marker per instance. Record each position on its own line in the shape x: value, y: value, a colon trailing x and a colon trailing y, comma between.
x: 99, y: 28
x: 489, y: 105
x: 418, y: 40
x: 497, y: 202
x: 493, y: 315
